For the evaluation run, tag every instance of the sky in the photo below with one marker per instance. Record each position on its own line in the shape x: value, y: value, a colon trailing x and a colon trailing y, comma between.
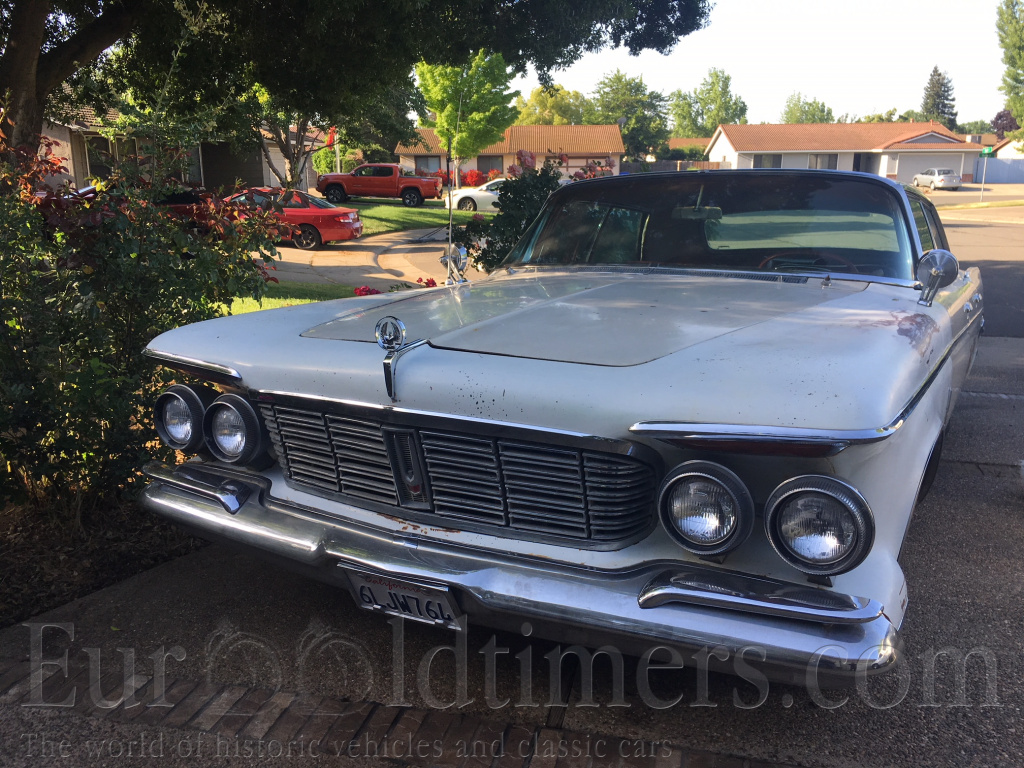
x: 859, y: 57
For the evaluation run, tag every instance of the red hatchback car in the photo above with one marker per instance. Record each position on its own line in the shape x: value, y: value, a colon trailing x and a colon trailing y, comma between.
x: 316, y: 221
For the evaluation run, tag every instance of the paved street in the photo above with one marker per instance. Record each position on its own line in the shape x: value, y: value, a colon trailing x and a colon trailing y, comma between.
x: 254, y: 641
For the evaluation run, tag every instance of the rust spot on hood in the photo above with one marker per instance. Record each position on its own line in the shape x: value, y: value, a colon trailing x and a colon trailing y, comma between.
x: 918, y: 329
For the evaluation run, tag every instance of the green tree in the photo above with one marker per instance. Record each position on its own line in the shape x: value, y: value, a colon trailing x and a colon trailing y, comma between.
x: 552, y: 106
x: 712, y: 104
x: 880, y: 117
x: 642, y: 112
x: 1004, y: 123
x: 938, y: 103
x: 1010, y: 28
x: 470, y: 104
x: 353, y: 48
x: 801, y: 110
x: 975, y: 126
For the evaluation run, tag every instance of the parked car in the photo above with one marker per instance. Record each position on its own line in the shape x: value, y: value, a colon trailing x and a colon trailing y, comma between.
x: 315, y: 221
x: 938, y: 178
x: 476, y: 198
x: 378, y: 180
x: 690, y: 409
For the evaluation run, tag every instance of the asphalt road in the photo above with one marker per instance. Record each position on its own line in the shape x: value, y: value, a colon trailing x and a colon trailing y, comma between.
x: 955, y: 702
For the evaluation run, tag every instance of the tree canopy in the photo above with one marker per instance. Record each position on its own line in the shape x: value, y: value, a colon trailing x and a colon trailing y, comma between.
x: 312, y: 55
x: 1010, y: 28
x: 553, y: 106
x: 1004, y: 122
x: 642, y: 112
x: 471, y: 105
x: 938, y: 102
x: 805, y: 110
x: 713, y: 103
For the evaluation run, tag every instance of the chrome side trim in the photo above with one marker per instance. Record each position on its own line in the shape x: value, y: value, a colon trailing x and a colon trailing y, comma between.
x: 840, y: 438
x: 215, y: 371
x: 736, y: 592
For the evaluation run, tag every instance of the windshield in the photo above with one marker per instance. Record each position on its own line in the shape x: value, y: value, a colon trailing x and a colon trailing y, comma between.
x: 788, y: 222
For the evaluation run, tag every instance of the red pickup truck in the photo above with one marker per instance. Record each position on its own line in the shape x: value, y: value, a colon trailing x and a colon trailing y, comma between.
x: 378, y: 180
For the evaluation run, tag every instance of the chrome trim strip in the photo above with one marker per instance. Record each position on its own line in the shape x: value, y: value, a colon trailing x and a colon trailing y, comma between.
x: 736, y: 592
x: 842, y: 438
x: 391, y: 364
x: 435, y: 415
x: 231, y: 493
x: 177, y: 361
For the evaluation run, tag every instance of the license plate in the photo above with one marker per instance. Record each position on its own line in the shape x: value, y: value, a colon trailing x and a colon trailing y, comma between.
x: 395, y: 597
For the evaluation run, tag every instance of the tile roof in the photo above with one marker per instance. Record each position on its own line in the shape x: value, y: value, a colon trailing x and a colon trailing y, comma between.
x: 683, y: 143
x: 831, y: 137
x: 588, y: 140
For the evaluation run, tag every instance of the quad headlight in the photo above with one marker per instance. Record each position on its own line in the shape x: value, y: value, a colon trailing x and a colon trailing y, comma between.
x: 819, y: 525
x: 706, y: 508
x: 179, y: 415
x: 233, y: 431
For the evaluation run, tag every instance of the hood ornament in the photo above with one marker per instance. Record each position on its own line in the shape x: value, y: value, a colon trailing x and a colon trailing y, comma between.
x: 390, y: 334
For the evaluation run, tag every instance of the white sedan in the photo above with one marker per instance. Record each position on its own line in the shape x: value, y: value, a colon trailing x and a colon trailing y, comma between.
x: 476, y: 198
x: 692, y: 410
x: 938, y: 178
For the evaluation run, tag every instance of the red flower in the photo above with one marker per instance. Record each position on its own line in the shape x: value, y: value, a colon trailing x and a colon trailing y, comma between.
x: 431, y: 283
x: 365, y: 290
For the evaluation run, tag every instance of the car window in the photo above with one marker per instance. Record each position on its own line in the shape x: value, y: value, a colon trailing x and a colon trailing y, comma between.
x: 362, y: 172
x: 921, y: 220
x: 946, y: 172
x: 382, y: 172
x: 929, y: 172
x: 294, y: 200
x: 935, y: 225
x: 730, y: 221
x: 319, y: 202
x: 494, y: 186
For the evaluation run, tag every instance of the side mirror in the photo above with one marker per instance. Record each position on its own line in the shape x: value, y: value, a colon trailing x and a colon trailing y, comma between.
x: 937, y: 269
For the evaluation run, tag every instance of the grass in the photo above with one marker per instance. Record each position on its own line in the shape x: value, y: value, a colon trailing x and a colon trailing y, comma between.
x: 286, y: 294
x: 380, y: 216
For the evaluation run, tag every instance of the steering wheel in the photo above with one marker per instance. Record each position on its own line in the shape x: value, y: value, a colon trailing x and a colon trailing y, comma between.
x: 835, y: 257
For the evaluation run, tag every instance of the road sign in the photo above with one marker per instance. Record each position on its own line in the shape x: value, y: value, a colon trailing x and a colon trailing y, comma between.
x: 988, y: 152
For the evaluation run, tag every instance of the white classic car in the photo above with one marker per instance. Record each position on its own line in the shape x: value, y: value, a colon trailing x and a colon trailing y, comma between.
x: 693, y: 410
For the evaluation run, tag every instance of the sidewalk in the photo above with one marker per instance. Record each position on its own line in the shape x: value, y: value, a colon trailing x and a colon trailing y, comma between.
x: 379, y: 261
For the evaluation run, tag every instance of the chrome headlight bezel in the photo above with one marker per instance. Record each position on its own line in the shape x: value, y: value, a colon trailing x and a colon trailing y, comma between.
x: 254, y: 444
x: 196, y: 400
x: 731, y: 483
x: 847, y: 496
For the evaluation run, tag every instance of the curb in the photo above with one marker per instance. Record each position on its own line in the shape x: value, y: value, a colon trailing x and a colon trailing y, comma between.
x: 242, y: 720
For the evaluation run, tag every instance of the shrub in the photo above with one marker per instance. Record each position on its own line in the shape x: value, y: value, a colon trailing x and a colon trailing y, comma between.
x: 85, y: 284
x: 519, y: 201
x: 473, y: 178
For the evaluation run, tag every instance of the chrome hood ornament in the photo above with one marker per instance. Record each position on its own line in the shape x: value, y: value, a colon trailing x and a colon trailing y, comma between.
x: 390, y: 334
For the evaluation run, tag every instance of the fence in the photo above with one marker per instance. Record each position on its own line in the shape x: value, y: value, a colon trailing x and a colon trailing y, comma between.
x: 999, y: 171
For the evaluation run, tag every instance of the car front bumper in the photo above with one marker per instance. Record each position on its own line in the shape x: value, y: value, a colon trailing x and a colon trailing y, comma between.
x: 731, y: 622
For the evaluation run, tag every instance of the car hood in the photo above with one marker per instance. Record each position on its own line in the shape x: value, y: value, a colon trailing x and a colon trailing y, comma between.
x: 597, y: 352
x: 613, y: 320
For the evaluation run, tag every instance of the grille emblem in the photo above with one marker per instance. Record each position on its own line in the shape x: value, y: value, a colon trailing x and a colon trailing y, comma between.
x: 390, y: 333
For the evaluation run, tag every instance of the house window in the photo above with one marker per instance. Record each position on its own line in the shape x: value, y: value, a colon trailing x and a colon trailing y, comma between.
x: 767, y: 161
x: 100, y: 164
x: 487, y: 163
x: 430, y: 164
x: 823, y: 162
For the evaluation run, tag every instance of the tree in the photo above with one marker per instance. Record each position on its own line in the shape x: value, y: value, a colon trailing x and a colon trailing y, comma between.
x: 552, y: 106
x: 471, y: 103
x: 712, y: 104
x: 801, y: 110
x: 975, y: 126
x: 938, y: 103
x: 642, y: 112
x: 334, y: 50
x: 1004, y: 123
x: 880, y: 117
x: 1010, y: 29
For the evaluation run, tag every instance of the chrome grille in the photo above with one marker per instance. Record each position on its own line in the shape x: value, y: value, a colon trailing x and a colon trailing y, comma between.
x: 515, y: 485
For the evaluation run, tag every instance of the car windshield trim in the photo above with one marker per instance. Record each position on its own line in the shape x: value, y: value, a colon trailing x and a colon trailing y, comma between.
x: 807, y: 223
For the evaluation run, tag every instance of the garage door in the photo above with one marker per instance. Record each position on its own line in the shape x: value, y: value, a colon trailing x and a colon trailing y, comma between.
x: 911, y: 164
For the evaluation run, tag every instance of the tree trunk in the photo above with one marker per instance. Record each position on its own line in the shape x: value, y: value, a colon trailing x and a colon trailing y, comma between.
x: 29, y: 75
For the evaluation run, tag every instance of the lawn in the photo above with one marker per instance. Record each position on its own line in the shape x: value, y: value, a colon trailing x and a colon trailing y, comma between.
x: 380, y: 216
x: 287, y: 294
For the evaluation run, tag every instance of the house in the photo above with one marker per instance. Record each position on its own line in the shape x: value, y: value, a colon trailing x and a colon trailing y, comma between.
x: 1004, y: 166
x: 582, y: 144
x: 894, y: 150
x: 88, y: 154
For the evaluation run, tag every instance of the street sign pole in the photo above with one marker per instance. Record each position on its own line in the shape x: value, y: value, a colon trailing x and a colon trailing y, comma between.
x: 985, y: 153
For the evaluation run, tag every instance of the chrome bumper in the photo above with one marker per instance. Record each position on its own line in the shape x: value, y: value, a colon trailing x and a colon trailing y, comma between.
x: 793, y: 634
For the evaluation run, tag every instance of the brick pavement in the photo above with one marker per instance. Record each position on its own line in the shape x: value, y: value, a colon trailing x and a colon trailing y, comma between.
x: 256, y: 719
